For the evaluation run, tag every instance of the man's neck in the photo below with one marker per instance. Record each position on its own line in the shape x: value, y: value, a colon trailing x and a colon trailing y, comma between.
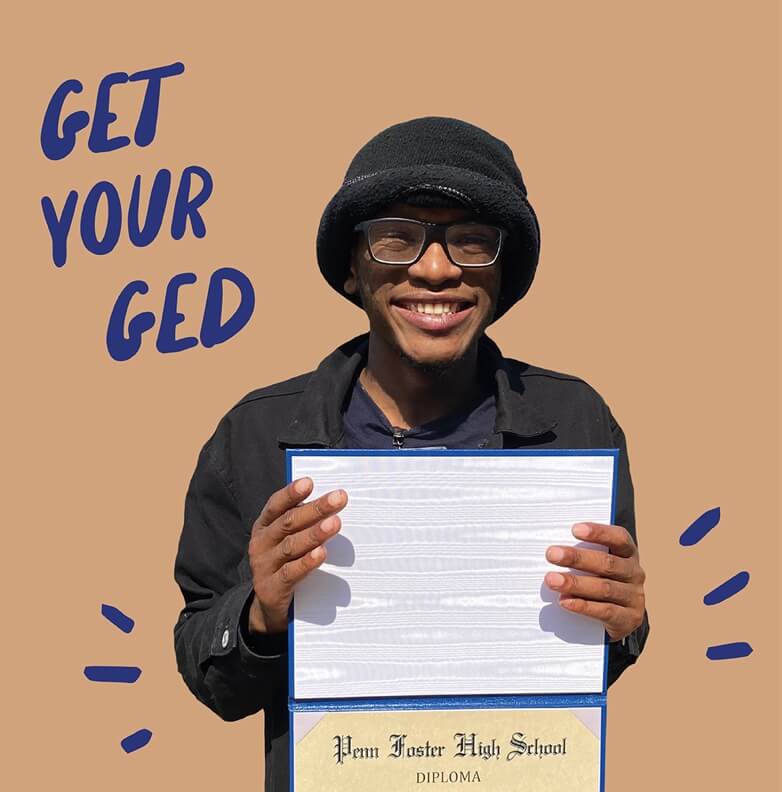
x: 411, y: 395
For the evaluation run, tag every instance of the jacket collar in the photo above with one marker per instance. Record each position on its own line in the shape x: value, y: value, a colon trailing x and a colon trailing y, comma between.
x: 318, y: 419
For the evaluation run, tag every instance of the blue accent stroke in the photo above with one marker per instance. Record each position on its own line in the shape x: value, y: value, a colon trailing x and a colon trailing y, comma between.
x: 136, y: 740
x: 117, y: 618
x: 729, y: 651
x: 112, y: 673
x: 727, y: 589
x: 700, y: 527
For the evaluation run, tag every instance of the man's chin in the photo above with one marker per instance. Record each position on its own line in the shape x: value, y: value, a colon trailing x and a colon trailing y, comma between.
x: 432, y: 364
x: 427, y: 366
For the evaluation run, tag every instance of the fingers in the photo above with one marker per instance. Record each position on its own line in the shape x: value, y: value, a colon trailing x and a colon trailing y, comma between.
x: 617, y: 621
x: 284, y: 514
x: 308, y: 514
x: 595, y: 562
x: 296, y: 545
x: 596, y: 589
x: 291, y: 573
x: 284, y: 499
x: 612, y: 591
x: 286, y: 544
x: 614, y: 537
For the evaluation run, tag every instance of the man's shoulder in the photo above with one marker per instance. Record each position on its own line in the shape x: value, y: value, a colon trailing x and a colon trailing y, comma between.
x: 572, y: 404
x: 279, y: 391
x: 538, y: 379
x: 287, y: 391
x: 266, y: 409
x: 257, y: 417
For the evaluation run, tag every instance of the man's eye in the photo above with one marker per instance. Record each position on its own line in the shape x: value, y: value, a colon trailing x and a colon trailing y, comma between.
x: 394, y: 237
x: 473, y: 239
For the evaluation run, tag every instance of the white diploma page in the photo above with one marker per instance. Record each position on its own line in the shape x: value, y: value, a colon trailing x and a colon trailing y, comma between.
x: 434, y: 586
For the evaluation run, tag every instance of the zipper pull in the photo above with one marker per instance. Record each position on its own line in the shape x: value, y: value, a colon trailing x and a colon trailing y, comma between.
x: 399, y: 437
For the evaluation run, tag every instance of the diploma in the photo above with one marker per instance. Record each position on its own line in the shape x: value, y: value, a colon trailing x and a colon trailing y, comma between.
x: 430, y: 618
x: 502, y: 748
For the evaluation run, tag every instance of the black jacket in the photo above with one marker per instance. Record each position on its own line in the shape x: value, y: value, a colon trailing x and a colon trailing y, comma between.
x: 244, y: 462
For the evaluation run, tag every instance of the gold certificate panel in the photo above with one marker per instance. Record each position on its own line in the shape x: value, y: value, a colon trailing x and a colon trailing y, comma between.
x: 535, y: 750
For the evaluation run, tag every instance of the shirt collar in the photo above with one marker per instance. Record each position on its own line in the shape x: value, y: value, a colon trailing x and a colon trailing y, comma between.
x: 317, y: 421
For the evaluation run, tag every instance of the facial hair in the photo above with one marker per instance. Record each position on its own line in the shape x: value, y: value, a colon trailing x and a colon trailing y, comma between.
x: 436, y: 369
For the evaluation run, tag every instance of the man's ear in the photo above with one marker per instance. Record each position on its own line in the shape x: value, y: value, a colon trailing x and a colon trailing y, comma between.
x: 351, y: 279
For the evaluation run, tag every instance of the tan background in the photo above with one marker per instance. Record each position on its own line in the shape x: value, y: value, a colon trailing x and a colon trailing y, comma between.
x: 647, y: 134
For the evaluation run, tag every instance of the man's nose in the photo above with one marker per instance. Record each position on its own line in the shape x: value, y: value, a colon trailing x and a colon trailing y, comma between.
x: 434, y: 266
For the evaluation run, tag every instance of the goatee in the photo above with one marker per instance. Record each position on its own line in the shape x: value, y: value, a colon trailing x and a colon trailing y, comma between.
x: 438, y: 368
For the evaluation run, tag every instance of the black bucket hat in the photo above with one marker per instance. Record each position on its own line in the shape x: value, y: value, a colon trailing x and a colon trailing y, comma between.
x: 440, y: 156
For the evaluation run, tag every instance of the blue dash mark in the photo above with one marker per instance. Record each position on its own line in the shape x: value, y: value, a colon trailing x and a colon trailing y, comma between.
x: 112, y: 673
x: 136, y: 740
x: 729, y: 651
x: 727, y: 589
x: 117, y: 618
x: 700, y: 527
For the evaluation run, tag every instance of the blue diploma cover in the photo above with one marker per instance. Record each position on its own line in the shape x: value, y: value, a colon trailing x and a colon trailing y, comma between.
x: 426, y: 652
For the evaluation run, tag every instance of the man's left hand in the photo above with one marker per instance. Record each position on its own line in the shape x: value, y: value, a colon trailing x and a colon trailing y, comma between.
x: 613, y: 591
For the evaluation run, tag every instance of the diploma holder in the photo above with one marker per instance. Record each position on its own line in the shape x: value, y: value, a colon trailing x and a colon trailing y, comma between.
x: 426, y: 653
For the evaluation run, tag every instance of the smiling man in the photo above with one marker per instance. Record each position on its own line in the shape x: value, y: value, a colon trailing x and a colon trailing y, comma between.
x: 426, y: 312
x: 431, y: 233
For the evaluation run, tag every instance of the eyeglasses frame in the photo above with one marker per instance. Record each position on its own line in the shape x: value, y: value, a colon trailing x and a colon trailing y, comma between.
x: 432, y: 232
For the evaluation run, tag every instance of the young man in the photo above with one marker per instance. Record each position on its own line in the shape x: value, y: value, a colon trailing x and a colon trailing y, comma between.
x: 432, y: 235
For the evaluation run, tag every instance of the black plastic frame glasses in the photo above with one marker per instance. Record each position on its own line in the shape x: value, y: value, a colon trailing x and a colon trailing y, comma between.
x: 433, y: 232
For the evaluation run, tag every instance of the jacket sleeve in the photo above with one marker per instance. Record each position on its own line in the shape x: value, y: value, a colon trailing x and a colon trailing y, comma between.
x: 233, y: 676
x: 622, y: 654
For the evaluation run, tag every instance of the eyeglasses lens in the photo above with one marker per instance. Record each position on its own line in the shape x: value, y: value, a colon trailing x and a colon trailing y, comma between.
x: 395, y: 241
x: 400, y: 242
x: 473, y: 245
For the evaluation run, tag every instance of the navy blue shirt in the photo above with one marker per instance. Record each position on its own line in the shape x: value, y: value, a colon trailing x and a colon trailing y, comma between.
x: 366, y: 426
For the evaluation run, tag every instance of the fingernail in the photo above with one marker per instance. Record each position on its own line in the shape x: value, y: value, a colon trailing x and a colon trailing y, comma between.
x: 555, y: 554
x: 336, y: 497
x: 302, y: 485
x: 554, y: 579
x: 581, y: 531
x: 318, y: 553
x: 330, y: 525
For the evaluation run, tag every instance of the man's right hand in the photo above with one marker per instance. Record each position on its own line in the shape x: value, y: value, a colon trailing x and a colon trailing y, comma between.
x: 286, y: 544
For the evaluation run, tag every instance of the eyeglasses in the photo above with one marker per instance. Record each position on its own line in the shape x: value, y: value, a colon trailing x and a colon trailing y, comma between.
x: 400, y: 240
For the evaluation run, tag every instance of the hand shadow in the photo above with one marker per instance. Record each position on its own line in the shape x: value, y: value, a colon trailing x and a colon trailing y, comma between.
x: 318, y: 596
x: 340, y: 551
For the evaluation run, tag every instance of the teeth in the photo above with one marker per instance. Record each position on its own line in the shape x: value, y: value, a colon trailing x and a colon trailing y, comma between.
x: 435, y: 309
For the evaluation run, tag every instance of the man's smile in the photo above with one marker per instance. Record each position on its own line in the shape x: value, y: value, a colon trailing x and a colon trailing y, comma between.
x: 431, y: 311
x: 434, y: 314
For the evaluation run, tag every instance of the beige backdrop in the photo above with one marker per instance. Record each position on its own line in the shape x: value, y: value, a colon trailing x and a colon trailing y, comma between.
x: 647, y: 134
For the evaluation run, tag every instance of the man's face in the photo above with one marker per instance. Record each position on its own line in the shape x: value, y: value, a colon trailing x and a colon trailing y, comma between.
x: 394, y: 295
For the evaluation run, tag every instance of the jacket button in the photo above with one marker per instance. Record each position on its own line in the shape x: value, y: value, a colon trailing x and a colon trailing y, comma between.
x: 225, y: 638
